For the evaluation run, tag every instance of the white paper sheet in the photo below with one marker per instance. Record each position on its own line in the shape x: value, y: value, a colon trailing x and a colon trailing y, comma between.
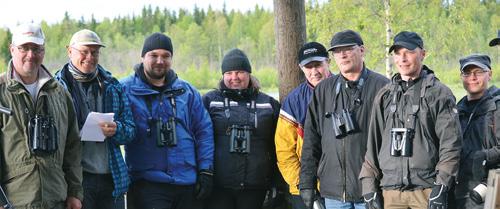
x: 91, y: 130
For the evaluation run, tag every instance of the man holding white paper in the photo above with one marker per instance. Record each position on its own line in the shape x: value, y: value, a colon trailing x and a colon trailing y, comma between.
x: 93, y: 89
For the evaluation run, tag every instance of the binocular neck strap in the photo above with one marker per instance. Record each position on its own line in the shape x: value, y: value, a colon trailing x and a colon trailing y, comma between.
x: 252, y: 108
x: 415, y: 107
x: 396, y: 91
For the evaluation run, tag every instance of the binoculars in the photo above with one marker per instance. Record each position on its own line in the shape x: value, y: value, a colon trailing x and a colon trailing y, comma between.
x: 166, y: 134
x: 402, y: 142
x: 342, y: 123
x: 42, y: 135
x: 240, y: 139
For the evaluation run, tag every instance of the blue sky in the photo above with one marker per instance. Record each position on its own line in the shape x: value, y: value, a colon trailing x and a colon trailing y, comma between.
x: 20, y: 11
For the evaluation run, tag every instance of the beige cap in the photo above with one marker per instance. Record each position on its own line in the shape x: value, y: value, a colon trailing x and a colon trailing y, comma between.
x: 85, y: 37
x: 28, y: 33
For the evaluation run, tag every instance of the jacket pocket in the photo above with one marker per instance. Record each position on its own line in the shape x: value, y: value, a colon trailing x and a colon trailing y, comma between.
x: 322, y: 163
x: 25, y: 177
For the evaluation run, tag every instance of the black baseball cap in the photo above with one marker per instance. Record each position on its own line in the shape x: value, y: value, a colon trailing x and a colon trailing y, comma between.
x: 345, y: 38
x: 495, y: 41
x: 480, y: 60
x: 312, y: 51
x: 408, y: 40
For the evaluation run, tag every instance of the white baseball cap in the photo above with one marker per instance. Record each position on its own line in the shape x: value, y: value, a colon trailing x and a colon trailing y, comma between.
x: 85, y: 37
x: 28, y: 33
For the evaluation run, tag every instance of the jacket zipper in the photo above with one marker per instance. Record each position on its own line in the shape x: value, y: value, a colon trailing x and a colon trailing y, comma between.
x: 343, y: 171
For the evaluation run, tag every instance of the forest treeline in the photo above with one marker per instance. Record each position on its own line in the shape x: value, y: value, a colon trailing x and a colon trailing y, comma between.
x: 450, y: 29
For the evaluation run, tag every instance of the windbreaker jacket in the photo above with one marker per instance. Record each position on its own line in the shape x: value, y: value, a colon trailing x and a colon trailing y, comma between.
x: 115, y: 101
x: 290, y: 133
x: 481, y: 133
x: 38, y: 181
x: 336, y: 161
x: 178, y: 164
x: 253, y: 170
x: 436, y: 144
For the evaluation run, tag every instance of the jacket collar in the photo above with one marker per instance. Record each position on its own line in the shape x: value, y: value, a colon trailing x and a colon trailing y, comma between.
x: 45, y: 79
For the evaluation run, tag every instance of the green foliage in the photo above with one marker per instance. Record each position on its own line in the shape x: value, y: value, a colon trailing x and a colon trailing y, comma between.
x: 450, y: 29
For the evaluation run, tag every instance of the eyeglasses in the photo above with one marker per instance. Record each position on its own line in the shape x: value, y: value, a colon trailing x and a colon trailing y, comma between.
x: 478, y: 73
x: 35, y: 49
x: 85, y: 53
x: 346, y: 49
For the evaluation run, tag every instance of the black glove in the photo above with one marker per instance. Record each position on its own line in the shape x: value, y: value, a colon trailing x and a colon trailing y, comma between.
x: 479, y: 169
x: 373, y: 200
x: 204, y: 184
x: 439, y: 197
x: 308, y: 196
x: 274, y: 198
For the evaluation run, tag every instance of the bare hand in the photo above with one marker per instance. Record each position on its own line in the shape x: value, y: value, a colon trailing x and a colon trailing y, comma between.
x: 108, y: 128
x: 73, y: 203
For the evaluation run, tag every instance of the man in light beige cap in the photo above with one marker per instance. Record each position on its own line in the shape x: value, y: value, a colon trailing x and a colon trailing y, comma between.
x: 94, y: 89
x: 41, y: 150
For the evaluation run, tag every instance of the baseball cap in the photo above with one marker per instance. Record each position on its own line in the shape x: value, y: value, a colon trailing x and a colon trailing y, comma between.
x: 312, y: 51
x: 345, y: 38
x: 480, y: 60
x: 85, y: 37
x: 495, y: 41
x: 28, y: 33
x: 408, y: 40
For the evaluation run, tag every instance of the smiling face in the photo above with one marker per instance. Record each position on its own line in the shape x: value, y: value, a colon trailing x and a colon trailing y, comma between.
x: 26, y: 59
x: 475, y: 81
x: 408, y: 62
x: 316, y: 71
x: 84, y: 57
x: 236, y: 79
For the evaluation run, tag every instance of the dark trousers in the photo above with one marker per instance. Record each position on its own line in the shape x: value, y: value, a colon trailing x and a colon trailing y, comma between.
x: 236, y: 199
x: 296, y: 201
x: 153, y: 195
x: 98, y: 192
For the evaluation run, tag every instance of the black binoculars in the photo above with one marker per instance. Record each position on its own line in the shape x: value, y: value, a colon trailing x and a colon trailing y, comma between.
x: 42, y: 135
x: 402, y: 142
x: 166, y: 134
x: 342, y: 123
x: 240, y: 138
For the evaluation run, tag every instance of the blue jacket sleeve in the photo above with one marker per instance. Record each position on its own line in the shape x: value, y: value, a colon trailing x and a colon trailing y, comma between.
x: 201, y: 126
x: 125, y: 126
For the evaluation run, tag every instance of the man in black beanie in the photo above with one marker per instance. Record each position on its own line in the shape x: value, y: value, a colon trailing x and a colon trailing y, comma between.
x: 171, y: 158
x: 244, y: 124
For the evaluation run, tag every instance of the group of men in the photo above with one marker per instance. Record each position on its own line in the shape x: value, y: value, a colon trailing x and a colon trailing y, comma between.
x: 358, y: 139
x: 352, y: 140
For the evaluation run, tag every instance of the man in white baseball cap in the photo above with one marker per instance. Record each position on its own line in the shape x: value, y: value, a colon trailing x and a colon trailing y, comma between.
x: 38, y: 172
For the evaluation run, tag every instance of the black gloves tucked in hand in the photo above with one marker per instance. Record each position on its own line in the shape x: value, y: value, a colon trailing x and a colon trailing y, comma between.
x: 373, y: 200
x: 479, y: 169
x: 308, y: 196
x: 439, y: 197
x: 204, y: 184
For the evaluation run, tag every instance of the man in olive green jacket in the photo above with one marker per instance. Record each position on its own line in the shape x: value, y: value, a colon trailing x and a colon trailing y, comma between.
x: 37, y: 172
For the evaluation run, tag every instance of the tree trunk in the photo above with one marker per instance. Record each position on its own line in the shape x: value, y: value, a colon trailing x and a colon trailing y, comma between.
x: 290, y: 35
x: 388, y: 36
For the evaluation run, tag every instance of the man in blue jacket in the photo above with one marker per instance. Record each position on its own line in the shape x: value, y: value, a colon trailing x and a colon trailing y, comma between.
x: 94, y: 89
x: 171, y: 159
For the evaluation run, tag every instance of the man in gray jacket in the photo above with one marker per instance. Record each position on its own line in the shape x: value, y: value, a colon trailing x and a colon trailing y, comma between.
x: 414, y: 138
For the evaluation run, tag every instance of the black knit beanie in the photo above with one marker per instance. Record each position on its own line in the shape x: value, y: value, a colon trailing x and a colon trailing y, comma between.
x: 157, y: 41
x: 236, y: 60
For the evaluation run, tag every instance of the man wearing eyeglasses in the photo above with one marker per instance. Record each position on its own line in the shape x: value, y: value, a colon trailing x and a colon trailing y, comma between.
x: 336, y: 126
x: 479, y: 113
x: 413, y: 147
x: 40, y: 150
x: 94, y: 89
